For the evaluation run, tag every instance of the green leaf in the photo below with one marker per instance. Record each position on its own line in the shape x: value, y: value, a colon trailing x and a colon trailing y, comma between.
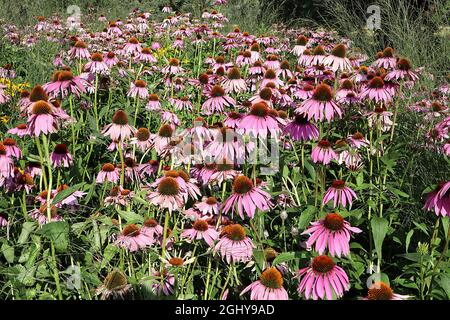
x: 108, y: 254
x: 377, y: 277
x: 27, y: 228
x: 422, y: 227
x: 131, y: 217
x: 286, y: 256
x: 259, y: 258
x: 397, y: 192
x: 60, y: 196
x: 58, y: 233
x: 306, y: 216
x: 444, y: 282
x: 8, y: 252
x: 379, y: 230
x: 408, y: 239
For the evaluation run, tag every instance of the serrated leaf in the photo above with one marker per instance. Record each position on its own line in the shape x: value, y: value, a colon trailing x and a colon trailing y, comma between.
x: 58, y: 233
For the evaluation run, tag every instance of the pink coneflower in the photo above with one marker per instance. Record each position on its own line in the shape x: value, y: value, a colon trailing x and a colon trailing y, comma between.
x: 304, y: 92
x: 227, y: 144
x: 42, y: 118
x: 272, y: 62
x: 12, y: 150
x: 382, y: 291
x: 257, y: 69
x: 152, y: 229
x: 133, y: 239
x: 163, y: 284
x: 234, y: 83
x: 132, y: 46
x: 65, y: 83
x: 234, y: 245
x: 114, y: 287
x: 284, y: 70
x: 79, y: 51
x: 246, y: 198
x: 305, y: 58
x: 259, y: 121
x: 386, y: 60
x: 20, y: 130
x: 143, y: 139
x: 337, y: 60
x: 41, y: 215
x: 217, y: 102
x: 346, y: 87
x: 268, y: 287
x: 318, y: 55
x: 224, y: 172
x: 233, y: 119
x: 4, y: 98
x: 322, y: 279
x: 181, y: 104
x: 201, y: 230
x: 380, y: 117
x: 149, y: 169
x: 119, y: 129
x: 153, y: 103
x: 340, y: 193
x: 321, y: 105
x: 109, y: 172
x: 6, y: 163
x: 167, y: 195
x: 300, y: 45
x: 138, y: 89
x: 403, y: 72
x: 264, y: 95
x: 3, y: 219
x: 61, y: 156
x: 110, y: 59
x: 376, y: 90
x: 439, y: 200
x: 300, y: 129
x: 163, y: 138
x: 323, y: 153
x: 357, y: 140
x: 96, y: 65
x: 332, y: 232
x: 271, y: 76
x: 208, y: 207
x: 173, y: 68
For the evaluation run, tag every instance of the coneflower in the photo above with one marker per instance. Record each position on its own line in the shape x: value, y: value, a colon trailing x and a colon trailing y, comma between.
x: 323, y: 153
x: 61, y: 156
x: 96, y: 65
x: 259, y: 121
x: 43, y: 118
x: 114, y: 287
x: 201, y: 230
x: 403, y: 71
x: 234, y: 245
x: 268, y: 287
x: 119, y: 129
x: 323, y: 279
x: 79, y: 51
x: 376, y: 90
x: 139, y: 89
x: 382, y: 291
x: 234, y: 83
x: 300, y: 129
x: 133, y: 239
x: 217, y: 102
x: 338, y: 61
x: 167, y: 195
x: 331, y: 232
x: 321, y: 105
x: 109, y: 172
x: 340, y: 194
x: 246, y: 198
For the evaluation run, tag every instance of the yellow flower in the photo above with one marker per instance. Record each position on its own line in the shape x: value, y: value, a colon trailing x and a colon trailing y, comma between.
x: 4, y: 119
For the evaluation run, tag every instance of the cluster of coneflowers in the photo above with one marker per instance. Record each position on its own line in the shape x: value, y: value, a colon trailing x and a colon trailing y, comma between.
x: 187, y: 134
